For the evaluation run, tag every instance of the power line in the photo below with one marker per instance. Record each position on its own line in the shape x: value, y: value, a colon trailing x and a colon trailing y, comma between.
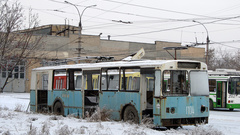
x: 163, y: 19
x: 175, y: 27
x: 225, y: 44
x: 169, y: 19
x: 226, y: 9
x: 153, y: 8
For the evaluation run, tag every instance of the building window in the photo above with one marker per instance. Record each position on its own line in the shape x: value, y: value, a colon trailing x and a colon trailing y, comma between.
x: 4, y: 75
x: 15, y: 75
x: 18, y: 72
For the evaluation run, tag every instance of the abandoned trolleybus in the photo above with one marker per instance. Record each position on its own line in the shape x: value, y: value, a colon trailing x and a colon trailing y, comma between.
x: 130, y: 89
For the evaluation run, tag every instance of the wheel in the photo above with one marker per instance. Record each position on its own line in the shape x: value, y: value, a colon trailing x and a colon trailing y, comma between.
x: 58, y: 109
x: 131, y: 114
x: 210, y: 105
x: 231, y: 109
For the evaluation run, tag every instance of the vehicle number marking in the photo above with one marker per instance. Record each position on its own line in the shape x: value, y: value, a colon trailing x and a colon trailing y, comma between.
x: 189, y: 110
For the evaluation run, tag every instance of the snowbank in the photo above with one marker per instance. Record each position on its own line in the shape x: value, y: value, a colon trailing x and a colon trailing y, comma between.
x: 15, y: 120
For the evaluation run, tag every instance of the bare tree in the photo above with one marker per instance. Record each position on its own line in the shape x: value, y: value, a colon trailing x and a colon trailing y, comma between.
x: 211, y: 59
x: 224, y: 59
x: 16, y: 45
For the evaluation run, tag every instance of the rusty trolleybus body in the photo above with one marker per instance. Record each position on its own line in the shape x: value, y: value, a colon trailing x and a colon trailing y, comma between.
x: 184, y: 101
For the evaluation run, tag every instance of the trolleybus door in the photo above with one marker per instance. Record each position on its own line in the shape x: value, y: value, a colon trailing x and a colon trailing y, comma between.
x: 156, y: 98
x: 221, y: 94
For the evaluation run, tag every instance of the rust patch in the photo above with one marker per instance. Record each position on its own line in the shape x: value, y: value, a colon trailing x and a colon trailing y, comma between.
x: 187, y: 99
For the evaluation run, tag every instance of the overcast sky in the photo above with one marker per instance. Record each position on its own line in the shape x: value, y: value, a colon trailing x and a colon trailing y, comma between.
x: 148, y: 20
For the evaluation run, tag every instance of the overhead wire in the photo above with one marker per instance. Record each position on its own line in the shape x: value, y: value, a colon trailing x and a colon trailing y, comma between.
x: 134, y: 34
x: 224, y: 45
x: 174, y: 28
x: 169, y: 19
x: 153, y: 8
x: 226, y: 9
x: 166, y: 19
x: 146, y: 16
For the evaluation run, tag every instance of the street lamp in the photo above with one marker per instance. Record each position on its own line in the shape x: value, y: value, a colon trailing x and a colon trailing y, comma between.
x: 79, y: 25
x: 207, y: 40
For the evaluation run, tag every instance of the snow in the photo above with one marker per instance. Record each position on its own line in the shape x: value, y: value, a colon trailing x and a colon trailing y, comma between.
x: 16, y: 120
x: 141, y: 63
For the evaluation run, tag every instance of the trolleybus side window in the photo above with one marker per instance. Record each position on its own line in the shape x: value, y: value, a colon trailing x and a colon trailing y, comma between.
x: 60, y: 80
x: 91, y: 79
x: 150, y: 83
x: 177, y: 83
x: 42, y: 81
x: 148, y: 75
x: 110, y: 79
x: 130, y: 79
x: 78, y: 82
x: 147, y: 83
x: 199, y: 79
x: 234, y: 85
x: 212, y: 85
x: 74, y: 79
x: 135, y: 83
x: 129, y: 82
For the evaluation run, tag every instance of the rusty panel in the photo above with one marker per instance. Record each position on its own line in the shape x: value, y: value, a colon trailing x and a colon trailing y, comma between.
x: 71, y: 100
x: 172, y: 111
x: 33, y: 100
x: 156, y: 112
x: 184, y: 107
x: 116, y: 101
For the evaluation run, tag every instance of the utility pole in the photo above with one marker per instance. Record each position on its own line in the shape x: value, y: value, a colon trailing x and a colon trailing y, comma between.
x: 207, y: 40
x: 80, y: 26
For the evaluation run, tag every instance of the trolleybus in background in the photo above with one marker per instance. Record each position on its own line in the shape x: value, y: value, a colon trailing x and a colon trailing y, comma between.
x: 130, y: 89
x: 224, y: 87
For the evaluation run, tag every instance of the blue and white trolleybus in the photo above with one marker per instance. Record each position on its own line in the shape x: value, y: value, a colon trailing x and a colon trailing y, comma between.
x: 78, y: 89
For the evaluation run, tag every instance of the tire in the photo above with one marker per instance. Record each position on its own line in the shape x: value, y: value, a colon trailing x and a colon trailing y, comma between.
x: 231, y: 109
x: 211, y: 105
x: 131, y: 114
x: 58, y: 109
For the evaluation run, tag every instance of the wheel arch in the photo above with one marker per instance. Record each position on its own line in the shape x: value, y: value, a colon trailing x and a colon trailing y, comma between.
x: 57, y: 100
x: 124, y: 108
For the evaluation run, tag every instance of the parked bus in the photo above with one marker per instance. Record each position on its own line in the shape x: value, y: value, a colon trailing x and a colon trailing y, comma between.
x: 224, y: 87
x: 130, y: 89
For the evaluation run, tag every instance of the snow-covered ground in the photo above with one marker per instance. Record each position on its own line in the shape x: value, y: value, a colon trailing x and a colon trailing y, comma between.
x: 15, y: 120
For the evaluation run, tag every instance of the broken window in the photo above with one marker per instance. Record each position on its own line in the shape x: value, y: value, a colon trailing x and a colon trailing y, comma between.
x: 130, y: 79
x: 78, y: 80
x: 91, y: 79
x: 175, y: 82
x: 42, y: 81
x: 110, y: 79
